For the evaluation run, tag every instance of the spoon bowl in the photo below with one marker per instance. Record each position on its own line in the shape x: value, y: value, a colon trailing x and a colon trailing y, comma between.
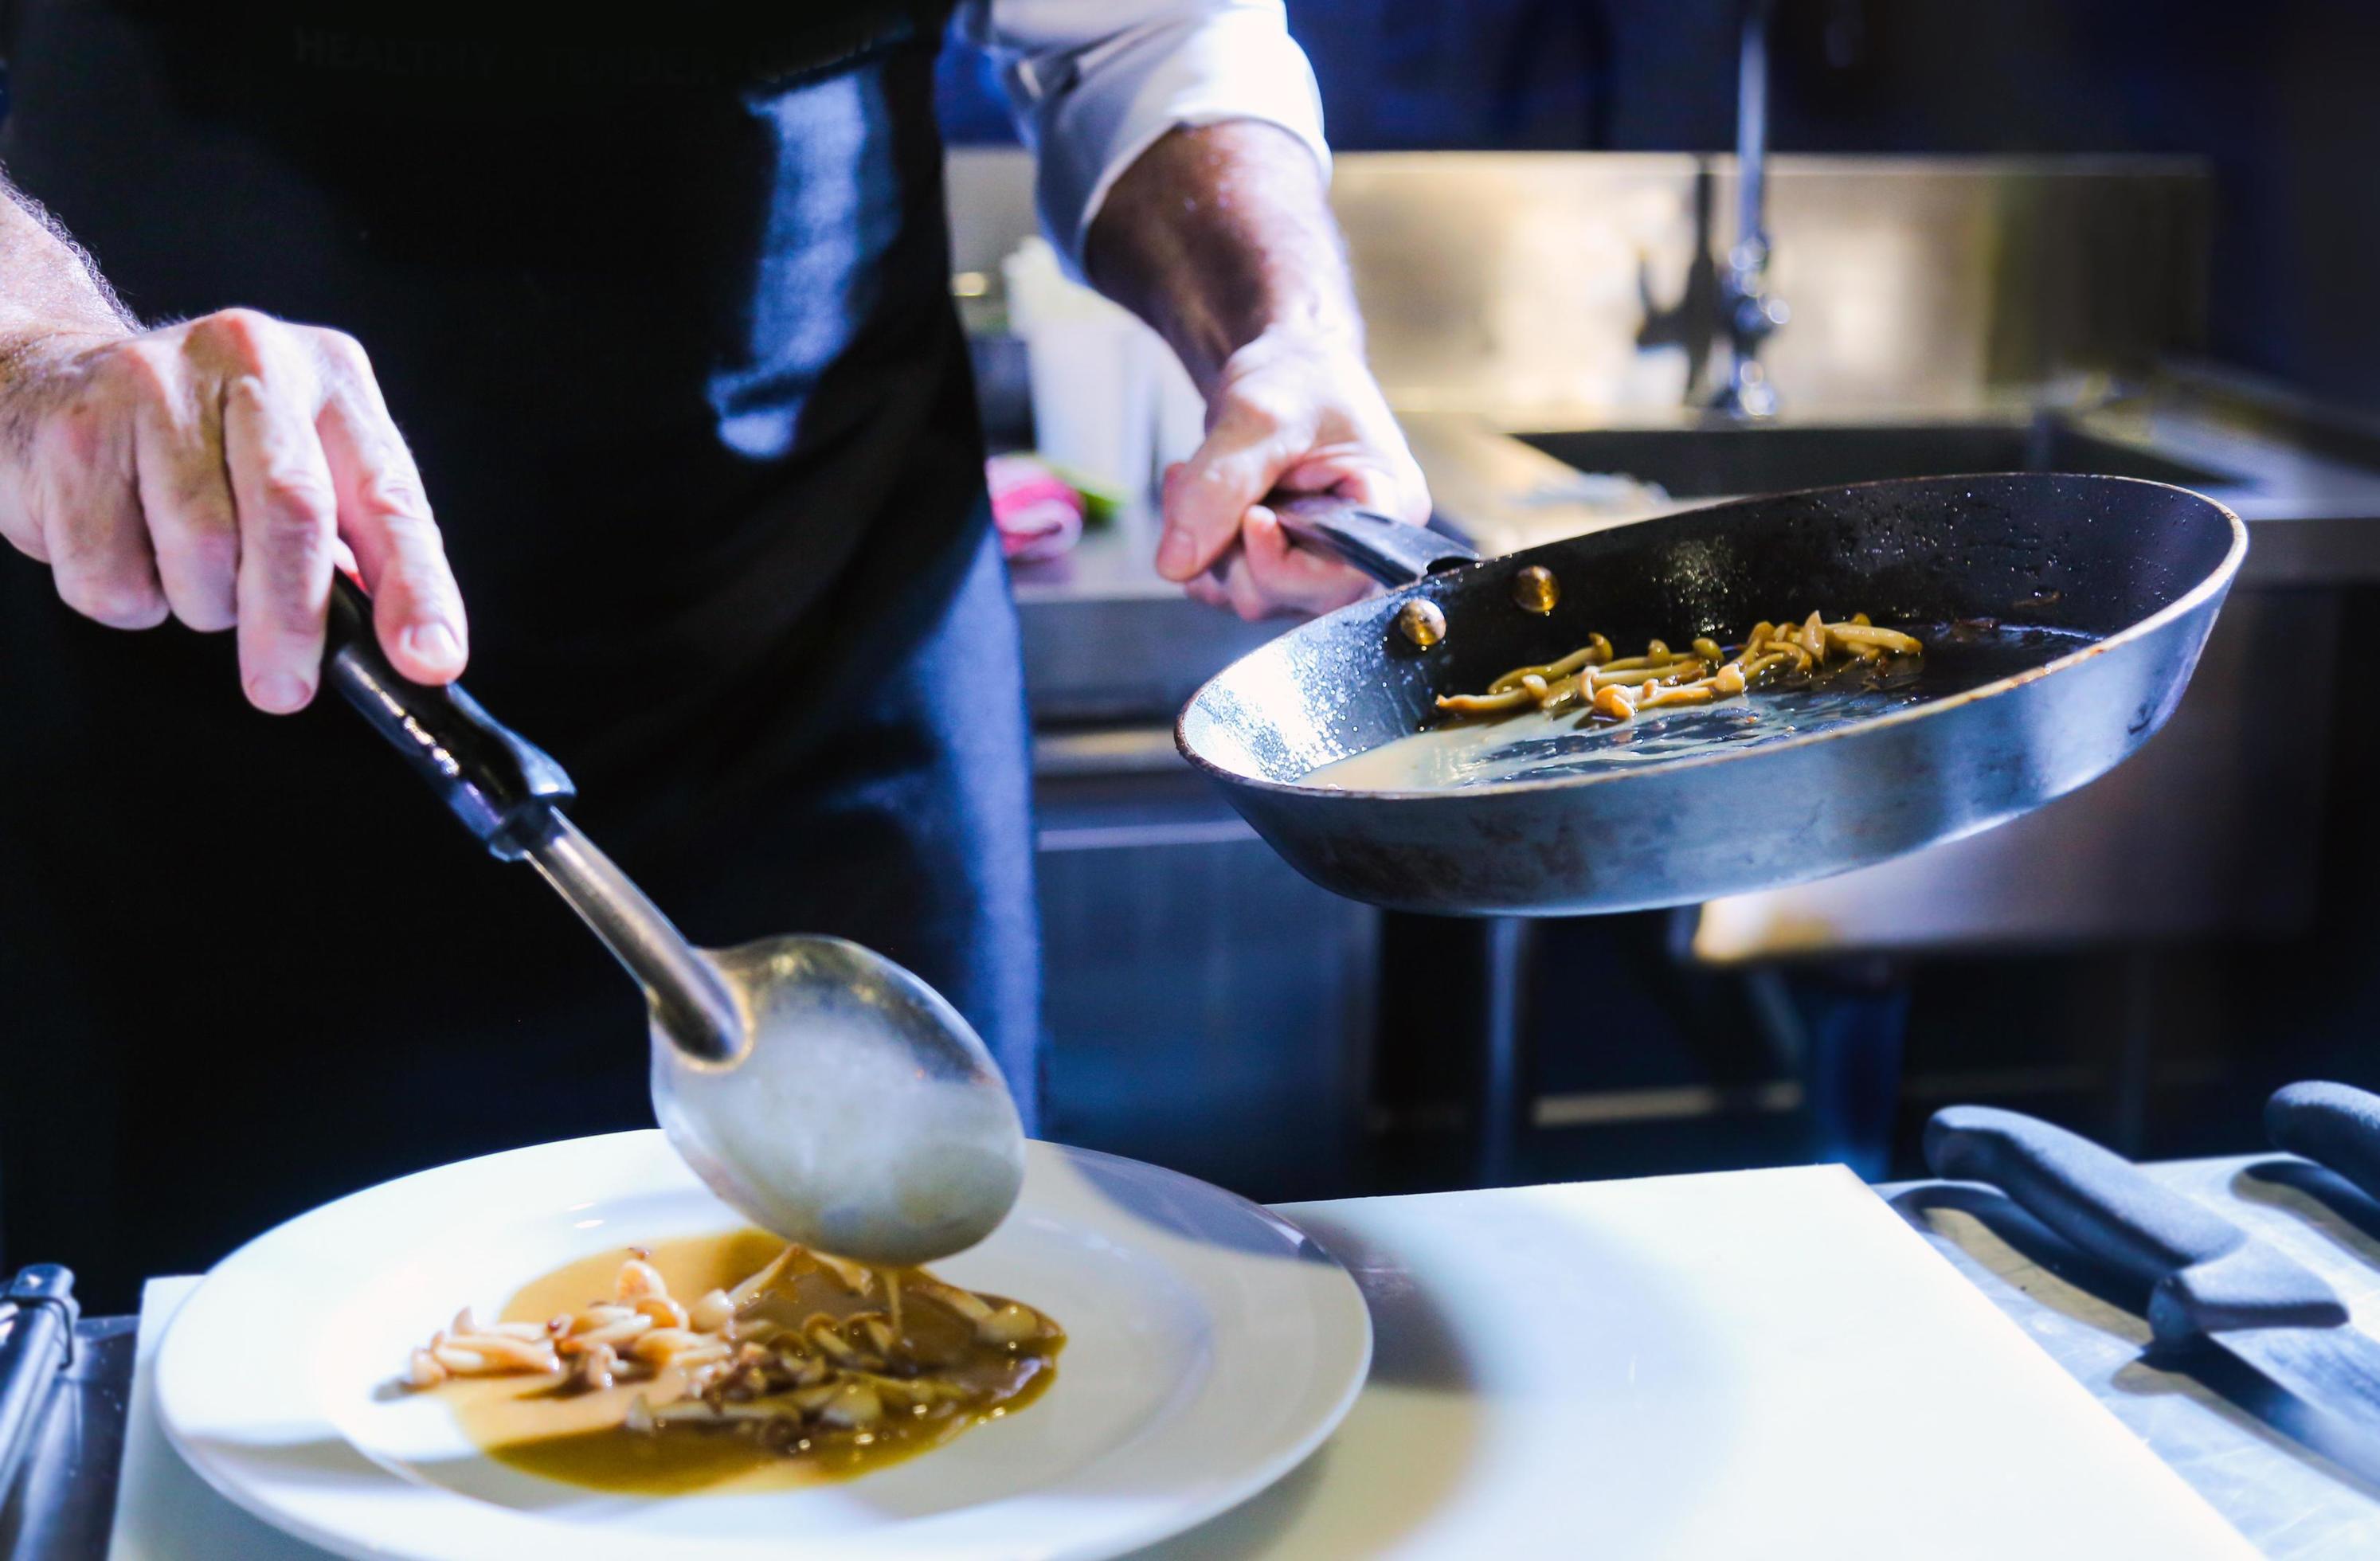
x: 862, y: 1115
x: 826, y: 1094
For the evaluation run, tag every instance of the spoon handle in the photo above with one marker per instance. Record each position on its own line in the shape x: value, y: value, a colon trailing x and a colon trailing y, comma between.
x: 508, y: 792
x: 502, y: 786
x: 692, y: 1002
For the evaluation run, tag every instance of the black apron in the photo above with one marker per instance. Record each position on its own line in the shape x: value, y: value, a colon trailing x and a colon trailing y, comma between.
x: 666, y: 319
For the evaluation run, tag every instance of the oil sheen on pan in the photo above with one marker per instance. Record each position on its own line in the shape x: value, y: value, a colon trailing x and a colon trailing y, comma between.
x: 1536, y: 746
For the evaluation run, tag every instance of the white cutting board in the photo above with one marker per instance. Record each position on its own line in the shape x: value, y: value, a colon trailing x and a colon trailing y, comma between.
x: 1749, y: 1366
x: 1763, y: 1365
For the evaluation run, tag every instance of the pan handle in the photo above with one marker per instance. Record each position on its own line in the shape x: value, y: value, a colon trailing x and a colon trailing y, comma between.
x: 501, y: 785
x: 1391, y: 552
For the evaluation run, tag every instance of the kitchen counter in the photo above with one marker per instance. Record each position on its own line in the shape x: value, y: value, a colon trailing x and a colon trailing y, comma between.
x: 2283, y: 1499
x: 2313, y: 512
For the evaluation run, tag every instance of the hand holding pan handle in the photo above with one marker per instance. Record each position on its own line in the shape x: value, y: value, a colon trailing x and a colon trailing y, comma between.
x: 499, y: 784
x: 1391, y: 552
x: 2337, y: 1126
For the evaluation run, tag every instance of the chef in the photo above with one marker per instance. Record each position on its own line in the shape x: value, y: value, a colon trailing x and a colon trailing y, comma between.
x: 621, y: 362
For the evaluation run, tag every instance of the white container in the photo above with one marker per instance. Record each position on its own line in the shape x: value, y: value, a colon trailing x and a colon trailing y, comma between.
x: 1112, y: 407
x: 1179, y: 409
x: 1093, y: 412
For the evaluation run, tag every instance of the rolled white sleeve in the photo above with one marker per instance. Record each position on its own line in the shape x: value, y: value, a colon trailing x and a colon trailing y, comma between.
x: 1092, y: 83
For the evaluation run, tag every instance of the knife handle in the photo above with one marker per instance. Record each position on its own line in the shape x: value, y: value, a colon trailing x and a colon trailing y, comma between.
x: 2337, y: 1126
x: 2092, y: 1196
x: 2203, y: 1273
x: 502, y: 786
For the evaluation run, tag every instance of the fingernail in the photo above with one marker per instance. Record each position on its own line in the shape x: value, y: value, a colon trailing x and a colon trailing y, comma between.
x: 432, y: 645
x: 1175, y: 554
x: 280, y: 691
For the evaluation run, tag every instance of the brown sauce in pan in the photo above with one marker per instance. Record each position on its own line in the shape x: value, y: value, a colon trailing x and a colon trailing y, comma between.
x: 529, y: 1423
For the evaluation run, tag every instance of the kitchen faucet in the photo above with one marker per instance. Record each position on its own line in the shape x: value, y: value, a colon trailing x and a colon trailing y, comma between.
x: 1747, y: 310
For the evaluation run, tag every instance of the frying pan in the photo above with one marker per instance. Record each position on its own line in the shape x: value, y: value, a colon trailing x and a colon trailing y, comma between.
x: 2136, y: 571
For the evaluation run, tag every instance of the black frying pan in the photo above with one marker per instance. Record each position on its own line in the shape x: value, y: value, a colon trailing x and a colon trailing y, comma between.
x: 2136, y: 570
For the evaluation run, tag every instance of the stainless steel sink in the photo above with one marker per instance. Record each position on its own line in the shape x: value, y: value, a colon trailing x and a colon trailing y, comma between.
x: 1717, y: 460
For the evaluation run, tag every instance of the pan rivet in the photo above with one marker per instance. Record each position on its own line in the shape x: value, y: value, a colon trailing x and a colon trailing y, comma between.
x: 1421, y: 621
x: 1536, y: 589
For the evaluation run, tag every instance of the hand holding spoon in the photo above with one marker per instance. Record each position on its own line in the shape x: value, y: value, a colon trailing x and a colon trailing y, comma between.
x: 820, y: 1090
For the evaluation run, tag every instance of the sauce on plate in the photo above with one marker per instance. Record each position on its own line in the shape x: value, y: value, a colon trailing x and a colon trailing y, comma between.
x: 574, y: 1434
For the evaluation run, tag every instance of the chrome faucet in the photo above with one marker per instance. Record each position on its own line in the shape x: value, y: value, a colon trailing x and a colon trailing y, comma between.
x: 1748, y: 311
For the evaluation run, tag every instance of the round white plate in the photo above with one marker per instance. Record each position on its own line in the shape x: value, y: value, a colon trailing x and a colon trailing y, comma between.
x: 1210, y: 1348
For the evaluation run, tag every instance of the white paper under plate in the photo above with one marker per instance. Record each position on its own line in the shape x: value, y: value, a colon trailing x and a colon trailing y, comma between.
x: 1210, y: 1348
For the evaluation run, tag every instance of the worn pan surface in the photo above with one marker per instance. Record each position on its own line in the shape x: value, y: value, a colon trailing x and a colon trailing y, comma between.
x: 2138, y: 568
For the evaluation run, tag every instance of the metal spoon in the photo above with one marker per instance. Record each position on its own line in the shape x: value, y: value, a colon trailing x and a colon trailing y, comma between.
x: 820, y: 1090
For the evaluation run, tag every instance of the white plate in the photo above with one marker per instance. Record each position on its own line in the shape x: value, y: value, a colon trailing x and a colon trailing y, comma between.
x: 1210, y: 1348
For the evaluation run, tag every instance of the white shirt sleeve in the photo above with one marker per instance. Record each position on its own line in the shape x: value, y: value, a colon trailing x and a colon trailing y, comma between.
x: 1093, y: 83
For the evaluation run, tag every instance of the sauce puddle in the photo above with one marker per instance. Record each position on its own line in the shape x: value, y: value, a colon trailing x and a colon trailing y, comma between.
x: 575, y: 1434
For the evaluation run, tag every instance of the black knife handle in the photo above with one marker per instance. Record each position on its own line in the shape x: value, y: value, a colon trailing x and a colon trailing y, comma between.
x: 502, y: 786
x: 2092, y: 1196
x: 2204, y: 1272
x: 2333, y: 1125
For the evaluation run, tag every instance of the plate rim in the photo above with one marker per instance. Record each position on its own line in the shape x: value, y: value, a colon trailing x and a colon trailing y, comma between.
x: 219, y: 1469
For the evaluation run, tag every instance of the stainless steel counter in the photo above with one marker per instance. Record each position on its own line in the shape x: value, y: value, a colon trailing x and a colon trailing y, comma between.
x: 2314, y: 517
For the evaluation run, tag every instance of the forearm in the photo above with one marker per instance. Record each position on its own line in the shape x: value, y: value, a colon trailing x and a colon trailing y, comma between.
x: 1220, y: 238
x: 48, y: 287
x: 1220, y: 234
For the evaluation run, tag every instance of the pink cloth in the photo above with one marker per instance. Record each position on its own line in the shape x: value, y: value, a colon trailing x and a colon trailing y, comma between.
x: 1039, y: 512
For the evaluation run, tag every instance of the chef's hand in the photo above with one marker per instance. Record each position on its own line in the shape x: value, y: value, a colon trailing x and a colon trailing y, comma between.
x: 212, y: 470
x: 1299, y: 415
x: 1220, y: 238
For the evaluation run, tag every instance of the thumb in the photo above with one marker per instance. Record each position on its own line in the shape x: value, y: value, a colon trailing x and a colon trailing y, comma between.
x: 1206, y: 498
